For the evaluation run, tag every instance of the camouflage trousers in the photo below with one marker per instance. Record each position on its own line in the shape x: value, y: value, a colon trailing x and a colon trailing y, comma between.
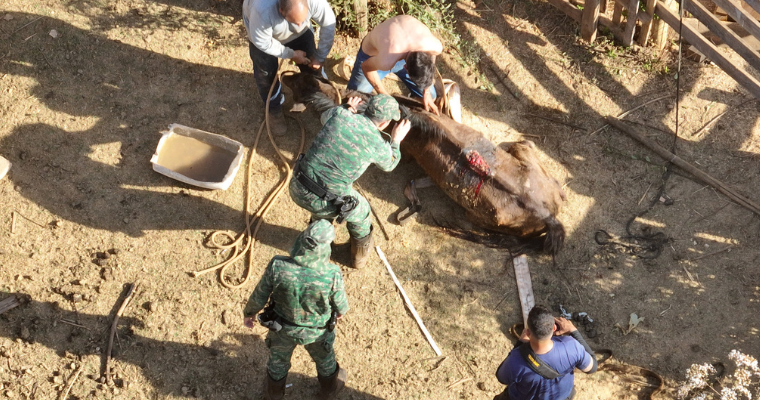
x: 318, y: 342
x: 358, y: 220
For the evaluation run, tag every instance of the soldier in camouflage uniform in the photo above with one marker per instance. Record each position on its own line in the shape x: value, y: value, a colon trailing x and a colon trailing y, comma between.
x: 306, y: 290
x: 347, y: 144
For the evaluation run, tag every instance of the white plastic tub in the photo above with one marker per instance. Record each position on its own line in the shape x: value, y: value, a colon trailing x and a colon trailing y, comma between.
x: 5, y: 166
x: 197, y: 157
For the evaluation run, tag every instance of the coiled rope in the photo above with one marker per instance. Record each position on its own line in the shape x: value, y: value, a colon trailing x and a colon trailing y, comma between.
x: 245, y: 241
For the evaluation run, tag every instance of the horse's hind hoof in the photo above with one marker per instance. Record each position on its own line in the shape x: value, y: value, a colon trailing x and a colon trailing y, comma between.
x: 407, y: 214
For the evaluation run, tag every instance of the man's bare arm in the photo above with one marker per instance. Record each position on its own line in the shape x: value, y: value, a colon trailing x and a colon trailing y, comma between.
x: 370, y: 69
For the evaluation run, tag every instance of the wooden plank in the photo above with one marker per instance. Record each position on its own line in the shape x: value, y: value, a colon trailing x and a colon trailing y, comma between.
x: 728, y: 36
x: 630, y: 22
x: 742, y: 17
x: 617, y: 14
x: 590, y: 20
x: 524, y: 285
x: 569, y: 9
x: 646, y: 27
x: 603, y: 6
x: 755, y: 4
x: 709, y: 49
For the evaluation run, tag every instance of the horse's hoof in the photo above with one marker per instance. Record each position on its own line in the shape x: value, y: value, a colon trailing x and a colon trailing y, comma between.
x: 407, y: 214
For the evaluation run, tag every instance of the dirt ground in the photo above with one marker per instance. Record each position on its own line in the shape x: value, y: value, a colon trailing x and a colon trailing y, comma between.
x: 82, y: 109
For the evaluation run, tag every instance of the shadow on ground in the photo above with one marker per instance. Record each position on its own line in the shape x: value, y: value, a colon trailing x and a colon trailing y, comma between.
x: 230, y: 366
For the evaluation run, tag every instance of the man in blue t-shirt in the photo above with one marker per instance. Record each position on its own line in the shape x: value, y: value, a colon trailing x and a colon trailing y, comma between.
x: 545, y: 369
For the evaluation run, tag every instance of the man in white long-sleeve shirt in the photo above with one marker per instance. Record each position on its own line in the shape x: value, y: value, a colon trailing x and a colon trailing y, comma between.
x: 282, y: 29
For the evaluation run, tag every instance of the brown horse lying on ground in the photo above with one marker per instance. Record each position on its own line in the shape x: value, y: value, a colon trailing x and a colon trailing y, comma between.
x: 503, y: 191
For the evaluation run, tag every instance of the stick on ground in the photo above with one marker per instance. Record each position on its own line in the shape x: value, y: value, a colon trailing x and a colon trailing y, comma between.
x: 113, y: 329
x: 408, y: 302
x: 73, y: 379
x: 680, y: 163
x: 8, y: 304
x: 624, y: 113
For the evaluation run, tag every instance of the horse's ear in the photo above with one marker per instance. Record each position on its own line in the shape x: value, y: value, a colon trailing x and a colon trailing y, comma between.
x: 405, y: 112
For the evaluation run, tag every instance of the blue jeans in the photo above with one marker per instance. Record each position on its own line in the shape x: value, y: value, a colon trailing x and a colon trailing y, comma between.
x: 360, y: 83
x: 265, y: 68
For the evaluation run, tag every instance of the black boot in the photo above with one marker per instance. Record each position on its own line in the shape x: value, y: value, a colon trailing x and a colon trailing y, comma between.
x: 360, y: 250
x: 274, y: 390
x: 329, y: 386
x: 277, y: 124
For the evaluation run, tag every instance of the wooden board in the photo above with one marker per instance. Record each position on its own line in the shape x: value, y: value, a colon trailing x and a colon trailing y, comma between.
x: 524, y: 285
x: 630, y: 22
x: 728, y: 36
x: 709, y: 49
x: 741, y: 16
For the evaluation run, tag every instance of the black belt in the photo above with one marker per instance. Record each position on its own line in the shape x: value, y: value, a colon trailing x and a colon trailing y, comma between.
x: 345, y: 204
x: 330, y: 325
x: 310, y: 184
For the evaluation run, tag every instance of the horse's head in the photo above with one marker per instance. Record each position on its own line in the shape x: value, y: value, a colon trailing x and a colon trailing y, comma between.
x: 308, y: 88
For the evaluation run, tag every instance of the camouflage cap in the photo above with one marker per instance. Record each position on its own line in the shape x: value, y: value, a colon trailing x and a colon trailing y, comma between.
x: 383, y: 107
x: 320, y: 231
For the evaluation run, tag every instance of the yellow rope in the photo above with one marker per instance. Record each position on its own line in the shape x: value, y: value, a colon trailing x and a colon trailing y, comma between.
x: 243, y: 244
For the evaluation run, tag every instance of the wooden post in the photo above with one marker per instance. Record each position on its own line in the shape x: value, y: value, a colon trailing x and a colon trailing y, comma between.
x: 646, y: 28
x: 617, y: 14
x: 660, y: 34
x: 360, y: 10
x: 630, y: 23
x: 590, y: 20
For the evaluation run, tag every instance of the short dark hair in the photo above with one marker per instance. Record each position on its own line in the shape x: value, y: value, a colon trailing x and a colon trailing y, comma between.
x: 541, y: 322
x: 375, y: 120
x: 286, y: 5
x: 421, y: 69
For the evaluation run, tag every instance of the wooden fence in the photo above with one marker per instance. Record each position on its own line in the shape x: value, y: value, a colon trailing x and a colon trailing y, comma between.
x: 702, y: 30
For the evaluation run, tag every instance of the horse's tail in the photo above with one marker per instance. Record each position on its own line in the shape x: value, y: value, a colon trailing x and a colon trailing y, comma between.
x: 555, y: 235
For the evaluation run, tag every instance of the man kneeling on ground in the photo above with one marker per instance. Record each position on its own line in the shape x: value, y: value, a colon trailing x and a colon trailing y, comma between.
x: 542, y: 364
x: 401, y: 45
x: 344, y: 148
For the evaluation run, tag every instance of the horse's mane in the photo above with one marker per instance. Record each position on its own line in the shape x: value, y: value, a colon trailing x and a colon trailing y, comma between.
x: 420, y: 120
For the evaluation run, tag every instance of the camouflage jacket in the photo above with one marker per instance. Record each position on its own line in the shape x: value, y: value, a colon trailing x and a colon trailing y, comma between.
x: 345, y: 147
x: 305, y: 287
